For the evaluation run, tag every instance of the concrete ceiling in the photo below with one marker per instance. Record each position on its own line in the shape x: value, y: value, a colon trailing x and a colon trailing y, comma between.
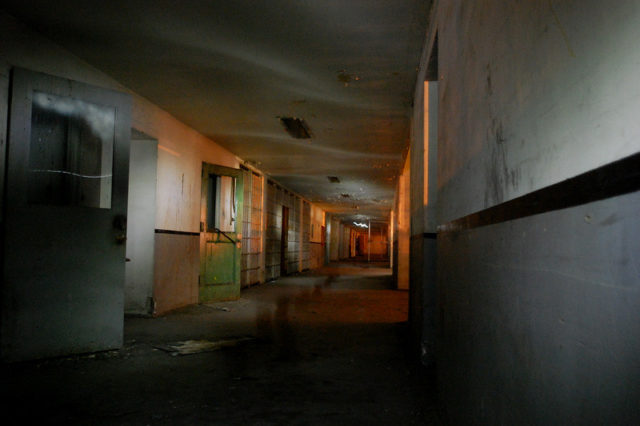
x: 231, y: 68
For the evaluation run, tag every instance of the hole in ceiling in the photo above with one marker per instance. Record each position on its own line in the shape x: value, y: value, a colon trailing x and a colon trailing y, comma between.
x: 333, y: 179
x: 343, y: 77
x: 296, y: 127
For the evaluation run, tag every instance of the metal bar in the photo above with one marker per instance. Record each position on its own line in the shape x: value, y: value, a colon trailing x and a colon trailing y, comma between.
x: 226, y: 236
x: 369, y: 245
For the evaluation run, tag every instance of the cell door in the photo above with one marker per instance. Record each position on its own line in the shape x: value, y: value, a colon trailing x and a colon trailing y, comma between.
x: 220, y: 233
x: 65, y: 217
x: 284, y: 241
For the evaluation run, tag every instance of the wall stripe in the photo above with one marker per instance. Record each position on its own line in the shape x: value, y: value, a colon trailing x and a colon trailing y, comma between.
x: 617, y: 178
x: 167, y: 231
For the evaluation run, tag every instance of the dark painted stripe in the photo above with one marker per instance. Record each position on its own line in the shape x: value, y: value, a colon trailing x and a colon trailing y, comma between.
x: 426, y: 235
x: 617, y: 178
x: 166, y: 231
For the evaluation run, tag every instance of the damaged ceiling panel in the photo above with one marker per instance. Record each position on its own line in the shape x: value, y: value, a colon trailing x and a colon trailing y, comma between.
x: 236, y: 70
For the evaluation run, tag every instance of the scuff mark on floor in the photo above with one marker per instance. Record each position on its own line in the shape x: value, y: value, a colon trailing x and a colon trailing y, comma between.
x: 190, y: 347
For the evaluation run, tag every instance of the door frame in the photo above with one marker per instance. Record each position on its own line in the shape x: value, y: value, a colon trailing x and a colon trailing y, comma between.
x: 284, y: 240
x: 219, y: 292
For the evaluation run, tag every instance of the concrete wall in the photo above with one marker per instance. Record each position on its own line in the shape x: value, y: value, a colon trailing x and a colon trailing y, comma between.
x: 534, y: 98
x: 538, y: 316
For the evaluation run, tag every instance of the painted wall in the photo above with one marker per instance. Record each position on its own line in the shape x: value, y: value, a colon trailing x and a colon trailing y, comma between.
x: 403, y: 229
x: 537, y: 318
x: 181, y: 150
x: 548, y: 93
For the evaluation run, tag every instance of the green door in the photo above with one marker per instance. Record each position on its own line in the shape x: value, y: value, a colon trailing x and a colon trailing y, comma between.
x: 220, y: 233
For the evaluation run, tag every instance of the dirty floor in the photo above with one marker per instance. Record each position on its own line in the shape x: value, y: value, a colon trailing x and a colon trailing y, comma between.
x: 321, y: 348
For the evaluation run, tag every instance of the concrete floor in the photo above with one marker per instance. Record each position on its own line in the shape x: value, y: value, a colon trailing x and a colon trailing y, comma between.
x: 326, y: 347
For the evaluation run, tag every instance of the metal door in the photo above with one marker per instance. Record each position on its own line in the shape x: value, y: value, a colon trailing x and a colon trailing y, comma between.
x: 65, y: 217
x: 220, y: 233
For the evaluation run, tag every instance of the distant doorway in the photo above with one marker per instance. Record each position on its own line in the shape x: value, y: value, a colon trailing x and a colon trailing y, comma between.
x: 284, y: 240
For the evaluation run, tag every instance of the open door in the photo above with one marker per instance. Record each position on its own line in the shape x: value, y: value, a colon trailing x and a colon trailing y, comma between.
x: 65, y: 217
x: 220, y: 233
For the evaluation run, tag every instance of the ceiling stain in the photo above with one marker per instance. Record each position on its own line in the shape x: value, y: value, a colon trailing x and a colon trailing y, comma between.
x: 346, y: 78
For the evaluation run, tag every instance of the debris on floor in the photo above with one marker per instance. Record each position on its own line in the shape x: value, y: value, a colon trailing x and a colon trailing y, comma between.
x: 189, y: 347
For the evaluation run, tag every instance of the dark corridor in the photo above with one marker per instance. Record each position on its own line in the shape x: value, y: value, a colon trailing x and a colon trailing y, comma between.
x: 325, y: 347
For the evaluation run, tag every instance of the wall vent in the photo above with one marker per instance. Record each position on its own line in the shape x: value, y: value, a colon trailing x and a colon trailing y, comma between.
x: 296, y: 127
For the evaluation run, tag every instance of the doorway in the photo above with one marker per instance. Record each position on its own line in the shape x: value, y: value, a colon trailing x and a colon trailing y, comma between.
x: 284, y: 241
x: 220, y: 233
